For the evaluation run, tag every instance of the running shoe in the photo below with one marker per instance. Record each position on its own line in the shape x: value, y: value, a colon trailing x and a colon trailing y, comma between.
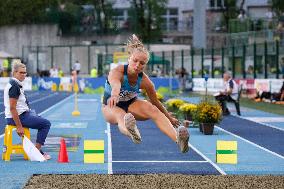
x: 45, y: 155
x: 130, y: 124
x: 182, y: 139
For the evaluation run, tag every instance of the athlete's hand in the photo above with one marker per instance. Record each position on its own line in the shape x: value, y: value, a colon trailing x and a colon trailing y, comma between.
x: 174, y: 121
x: 113, y: 100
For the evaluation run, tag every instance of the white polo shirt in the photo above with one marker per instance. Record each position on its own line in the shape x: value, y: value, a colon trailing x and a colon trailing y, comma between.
x: 14, y: 89
x: 231, y: 84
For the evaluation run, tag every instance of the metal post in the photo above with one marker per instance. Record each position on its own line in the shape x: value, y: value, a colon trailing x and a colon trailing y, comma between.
x: 100, y: 64
x: 23, y: 51
x: 182, y: 59
x: 265, y: 60
x: 153, y: 61
x: 199, y: 24
x: 37, y: 58
x: 212, y: 62
x: 223, y: 59
x: 89, y: 60
x: 171, y: 72
x: 163, y: 61
x: 51, y: 51
x: 277, y: 59
x: 202, y: 62
x: 70, y: 57
x: 254, y: 60
x: 192, y: 62
x: 233, y: 61
x: 244, y: 62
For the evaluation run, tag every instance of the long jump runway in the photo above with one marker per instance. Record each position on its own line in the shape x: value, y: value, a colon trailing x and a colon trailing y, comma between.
x: 260, y: 147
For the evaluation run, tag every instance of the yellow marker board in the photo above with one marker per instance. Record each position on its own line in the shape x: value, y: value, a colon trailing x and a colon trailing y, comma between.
x: 226, y: 152
x: 94, y: 151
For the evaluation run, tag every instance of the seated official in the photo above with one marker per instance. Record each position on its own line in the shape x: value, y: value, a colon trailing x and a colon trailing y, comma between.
x: 229, y: 94
x: 17, y: 110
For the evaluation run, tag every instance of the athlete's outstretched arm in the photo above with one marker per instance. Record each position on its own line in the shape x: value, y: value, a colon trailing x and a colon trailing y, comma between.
x: 115, y: 78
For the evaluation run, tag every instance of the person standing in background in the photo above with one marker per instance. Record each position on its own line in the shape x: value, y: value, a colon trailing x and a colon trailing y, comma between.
x: 94, y: 72
x: 77, y: 67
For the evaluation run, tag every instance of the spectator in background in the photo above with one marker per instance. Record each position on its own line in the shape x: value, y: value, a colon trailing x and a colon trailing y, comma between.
x: 53, y: 72
x: 182, y: 76
x: 228, y: 94
x: 77, y: 67
x: 94, y: 72
x: 60, y: 72
x: 17, y: 109
x: 242, y: 15
x: 270, y: 97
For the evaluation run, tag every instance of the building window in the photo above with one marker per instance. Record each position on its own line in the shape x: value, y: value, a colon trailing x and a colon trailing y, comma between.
x: 216, y: 4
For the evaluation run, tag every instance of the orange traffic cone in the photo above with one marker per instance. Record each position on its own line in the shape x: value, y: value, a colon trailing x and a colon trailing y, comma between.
x: 63, y: 156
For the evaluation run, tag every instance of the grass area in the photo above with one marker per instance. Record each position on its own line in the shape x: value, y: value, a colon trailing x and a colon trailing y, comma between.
x: 263, y: 106
x: 245, y: 102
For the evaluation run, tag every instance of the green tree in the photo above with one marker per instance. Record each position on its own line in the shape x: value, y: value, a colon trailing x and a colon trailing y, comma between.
x: 146, y: 18
x: 230, y: 11
x: 277, y: 6
x: 104, y: 14
x: 24, y: 11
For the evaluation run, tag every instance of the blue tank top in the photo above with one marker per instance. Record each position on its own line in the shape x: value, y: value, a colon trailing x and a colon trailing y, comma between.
x: 127, y: 92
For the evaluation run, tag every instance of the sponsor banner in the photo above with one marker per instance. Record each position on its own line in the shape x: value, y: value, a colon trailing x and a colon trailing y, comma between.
x: 27, y: 83
x: 272, y: 85
x: 90, y: 85
x: 248, y: 86
x: 275, y: 85
x: 45, y: 83
x: 213, y: 85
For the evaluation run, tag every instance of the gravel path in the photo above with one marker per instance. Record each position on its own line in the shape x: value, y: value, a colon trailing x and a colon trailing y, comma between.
x: 151, y: 181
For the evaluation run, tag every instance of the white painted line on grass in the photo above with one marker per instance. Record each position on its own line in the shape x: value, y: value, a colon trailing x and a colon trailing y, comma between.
x: 254, y: 144
x: 207, y: 159
x: 160, y: 161
x: 109, y: 146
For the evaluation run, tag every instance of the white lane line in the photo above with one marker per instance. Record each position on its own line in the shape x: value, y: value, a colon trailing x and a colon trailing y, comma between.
x: 88, y: 100
x: 43, y: 98
x: 261, y: 123
x: 207, y: 159
x: 37, y: 100
x: 53, y: 106
x: 254, y: 144
x: 57, y: 104
x: 109, y: 144
x: 160, y: 161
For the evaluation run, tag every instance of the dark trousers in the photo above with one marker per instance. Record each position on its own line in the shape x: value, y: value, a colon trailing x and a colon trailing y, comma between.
x: 33, y: 121
x: 222, y: 99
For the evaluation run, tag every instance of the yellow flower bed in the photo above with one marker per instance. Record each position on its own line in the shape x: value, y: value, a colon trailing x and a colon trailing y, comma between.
x: 187, y: 107
x: 174, y: 103
x: 208, y: 112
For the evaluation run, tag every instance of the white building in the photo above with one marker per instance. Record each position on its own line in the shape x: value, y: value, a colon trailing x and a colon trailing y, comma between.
x: 179, y: 13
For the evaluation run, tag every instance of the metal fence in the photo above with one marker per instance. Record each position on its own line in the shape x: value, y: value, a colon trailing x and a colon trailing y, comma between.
x: 257, y: 60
